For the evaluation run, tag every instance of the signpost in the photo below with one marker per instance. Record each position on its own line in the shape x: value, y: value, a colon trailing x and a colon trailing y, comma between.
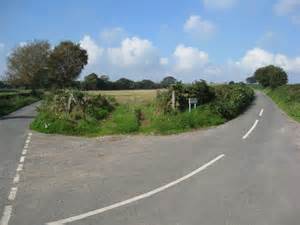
x: 193, y: 101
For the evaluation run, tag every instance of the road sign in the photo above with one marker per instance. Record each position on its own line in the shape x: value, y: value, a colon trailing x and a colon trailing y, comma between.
x: 193, y: 101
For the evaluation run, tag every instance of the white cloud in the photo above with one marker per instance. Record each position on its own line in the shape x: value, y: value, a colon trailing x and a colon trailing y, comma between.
x: 164, y: 61
x: 198, y: 27
x: 257, y: 57
x: 289, y: 8
x: 189, y: 59
x: 219, y: 4
x: 113, y: 35
x: 94, y: 51
x: 134, y: 52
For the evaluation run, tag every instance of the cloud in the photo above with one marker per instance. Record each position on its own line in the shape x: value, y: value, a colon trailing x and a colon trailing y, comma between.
x: 164, y: 61
x: 134, y: 52
x: 112, y: 36
x: 94, y: 51
x: 189, y: 59
x: 288, y: 8
x: 198, y: 27
x: 219, y: 4
x: 2, y: 46
x: 257, y: 57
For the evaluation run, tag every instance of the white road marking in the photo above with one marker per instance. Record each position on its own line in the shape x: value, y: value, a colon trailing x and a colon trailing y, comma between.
x: 6, y: 215
x: 20, y: 167
x: 27, y: 141
x: 17, y: 178
x: 29, y: 134
x: 136, y: 198
x: 24, y: 151
x: 251, y: 129
x: 261, y: 112
x: 22, y: 159
x: 12, y: 193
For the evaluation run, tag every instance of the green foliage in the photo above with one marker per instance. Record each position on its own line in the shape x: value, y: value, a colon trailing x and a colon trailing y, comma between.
x: 72, y: 112
x: 168, y: 81
x: 65, y: 63
x: 288, y: 98
x: 27, y: 65
x: 231, y: 100
x: 251, y: 80
x: 271, y: 76
x: 10, y: 103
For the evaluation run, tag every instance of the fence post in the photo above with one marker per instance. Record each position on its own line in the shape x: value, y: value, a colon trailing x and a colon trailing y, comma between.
x: 173, y: 100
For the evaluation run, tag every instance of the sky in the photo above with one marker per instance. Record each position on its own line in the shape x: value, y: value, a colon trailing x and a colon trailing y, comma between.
x: 215, y: 40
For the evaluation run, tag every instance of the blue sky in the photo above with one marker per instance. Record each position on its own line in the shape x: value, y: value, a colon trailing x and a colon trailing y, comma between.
x: 217, y: 40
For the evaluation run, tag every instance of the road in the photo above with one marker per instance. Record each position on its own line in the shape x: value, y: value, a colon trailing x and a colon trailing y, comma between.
x: 13, y: 132
x: 244, y: 172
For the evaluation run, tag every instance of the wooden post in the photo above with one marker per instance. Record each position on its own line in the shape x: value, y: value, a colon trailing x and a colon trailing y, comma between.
x: 173, y: 100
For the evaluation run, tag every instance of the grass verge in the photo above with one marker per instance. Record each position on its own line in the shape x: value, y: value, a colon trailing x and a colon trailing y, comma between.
x: 287, y: 97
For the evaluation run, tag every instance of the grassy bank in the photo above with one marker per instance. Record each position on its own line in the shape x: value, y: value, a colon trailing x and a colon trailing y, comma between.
x: 143, y: 116
x: 11, y: 101
x: 287, y: 97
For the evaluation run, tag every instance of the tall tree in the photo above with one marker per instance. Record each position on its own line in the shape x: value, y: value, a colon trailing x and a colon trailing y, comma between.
x: 27, y: 65
x: 91, y: 82
x: 66, y: 63
x: 271, y: 76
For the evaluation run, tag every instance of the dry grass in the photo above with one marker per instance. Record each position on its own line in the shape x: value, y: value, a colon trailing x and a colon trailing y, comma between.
x: 130, y: 96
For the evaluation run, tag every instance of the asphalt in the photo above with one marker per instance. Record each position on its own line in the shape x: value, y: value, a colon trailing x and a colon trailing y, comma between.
x: 13, y: 131
x: 257, y: 182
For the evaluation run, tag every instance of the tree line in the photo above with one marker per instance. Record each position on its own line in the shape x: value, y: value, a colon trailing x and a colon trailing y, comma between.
x: 36, y: 65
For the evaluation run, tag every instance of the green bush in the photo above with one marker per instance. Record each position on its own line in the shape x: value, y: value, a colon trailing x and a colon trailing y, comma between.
x: 231, y: 100
x: 271, y: 76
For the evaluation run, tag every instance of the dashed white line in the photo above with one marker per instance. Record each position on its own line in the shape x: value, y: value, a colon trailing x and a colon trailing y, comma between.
x: 22, y: 159
x: 20, y: 167
x: 24, y: 151
x: 251, y: 129
x: 12, y: 193
x: 261, y: 112
x: 6, y: 215
x: 136, y: 198
x: 16, y: 178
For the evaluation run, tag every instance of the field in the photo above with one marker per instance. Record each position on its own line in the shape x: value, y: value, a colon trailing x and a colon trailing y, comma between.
x: 130, y: 96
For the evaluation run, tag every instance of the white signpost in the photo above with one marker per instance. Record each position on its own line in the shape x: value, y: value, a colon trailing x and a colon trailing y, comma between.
x: 193, y: 101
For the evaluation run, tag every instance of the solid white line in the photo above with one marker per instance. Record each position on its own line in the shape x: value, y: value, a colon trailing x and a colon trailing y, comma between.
x: 16, y: 178
x: 20, y: 167
x: 12, y: 193
x: 22, y: 159
x: 261, y: 112
x: 251, y: 129
x: 6, y: 215
x: 136, y: 198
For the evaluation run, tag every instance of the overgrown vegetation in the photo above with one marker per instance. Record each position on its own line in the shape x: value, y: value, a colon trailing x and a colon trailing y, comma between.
x: 12, y: 100
x: 77, y: 113
x: 288, y: 98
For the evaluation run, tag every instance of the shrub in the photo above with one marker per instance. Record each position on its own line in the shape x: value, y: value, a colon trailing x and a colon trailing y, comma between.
x: 231, y: 100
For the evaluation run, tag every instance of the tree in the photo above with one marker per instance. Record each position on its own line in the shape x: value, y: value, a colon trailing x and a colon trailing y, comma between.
x: 27, y: 65
x: 91, y: 82
x: 251, y: 80
x: 146, y: 84
x: 271, y: 76
x: 124, y: 84
x: 279, y: 78
x: 66, y: 63
x: 231, y: 82
x: 167, y: 81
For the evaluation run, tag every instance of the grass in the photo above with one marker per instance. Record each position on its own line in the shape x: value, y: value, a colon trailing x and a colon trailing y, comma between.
x: 129, y: 96
x: 287, y: 97
x: 137, y: 112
